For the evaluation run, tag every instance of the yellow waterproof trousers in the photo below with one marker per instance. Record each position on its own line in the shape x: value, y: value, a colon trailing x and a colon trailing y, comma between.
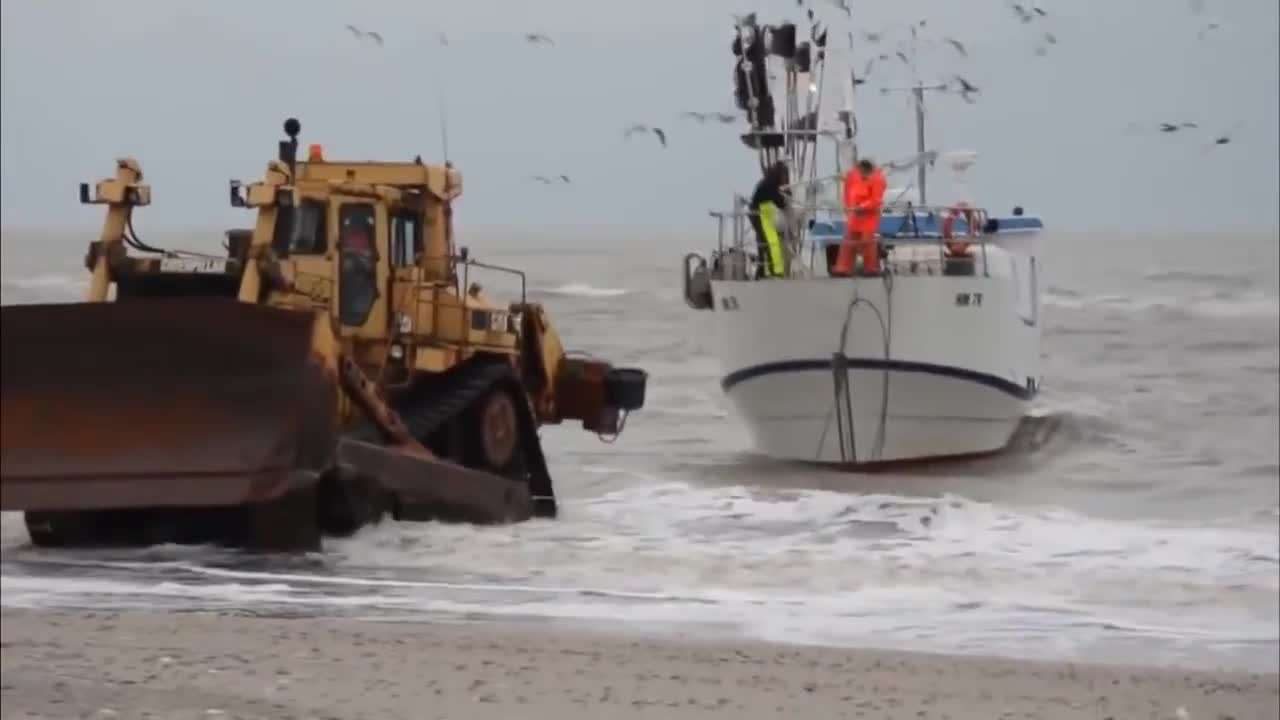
x: 773, y: 242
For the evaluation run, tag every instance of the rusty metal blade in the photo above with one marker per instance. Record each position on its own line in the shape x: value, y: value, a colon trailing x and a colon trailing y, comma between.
x: 427, y: 488
x: 159, y: 402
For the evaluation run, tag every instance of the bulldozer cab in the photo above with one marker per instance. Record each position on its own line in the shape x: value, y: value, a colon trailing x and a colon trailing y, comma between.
x: 335, y: 245
x: 371, y: 243
x: 347, y: 233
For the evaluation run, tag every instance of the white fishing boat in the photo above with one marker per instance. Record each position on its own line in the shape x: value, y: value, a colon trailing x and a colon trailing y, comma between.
x: 937, y: 356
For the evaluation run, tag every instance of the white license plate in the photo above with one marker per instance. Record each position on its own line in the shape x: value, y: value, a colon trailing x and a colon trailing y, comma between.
x: 193, y: 265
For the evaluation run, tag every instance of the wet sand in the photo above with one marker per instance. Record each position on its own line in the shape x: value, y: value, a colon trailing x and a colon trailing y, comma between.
x: 72, y: 664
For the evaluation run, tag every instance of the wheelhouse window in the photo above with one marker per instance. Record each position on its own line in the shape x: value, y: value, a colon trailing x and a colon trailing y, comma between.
x: 406, y: 238
x: 358, y: 288
x: 302, y: 233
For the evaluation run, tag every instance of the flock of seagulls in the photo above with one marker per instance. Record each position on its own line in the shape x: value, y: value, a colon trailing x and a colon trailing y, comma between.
x: 1026, y: 15
x: 1023, y: 13
x: 1036, y: 13
x: 1169, y: 128
x: 537, y: 38
x: 958, y: 84
x: 1197, y: 8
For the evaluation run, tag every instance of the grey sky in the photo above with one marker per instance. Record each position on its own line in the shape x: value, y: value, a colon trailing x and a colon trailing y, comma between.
x: 197, y: 92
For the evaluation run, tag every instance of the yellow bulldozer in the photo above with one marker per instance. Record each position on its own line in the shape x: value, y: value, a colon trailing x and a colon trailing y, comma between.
x: 336, y: 366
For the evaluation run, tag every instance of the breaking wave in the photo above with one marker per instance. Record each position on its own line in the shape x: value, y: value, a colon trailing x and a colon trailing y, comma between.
x: 584, y: 290
x: 1214, y: 304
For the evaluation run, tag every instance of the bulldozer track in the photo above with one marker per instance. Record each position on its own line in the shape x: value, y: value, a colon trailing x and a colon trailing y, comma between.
x: 427, y: 408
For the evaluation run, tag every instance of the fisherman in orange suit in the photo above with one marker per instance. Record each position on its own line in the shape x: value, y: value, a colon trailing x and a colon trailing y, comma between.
x: 864, y: 189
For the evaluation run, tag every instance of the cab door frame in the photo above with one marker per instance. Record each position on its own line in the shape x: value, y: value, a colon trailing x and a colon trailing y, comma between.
x: 374, y: 320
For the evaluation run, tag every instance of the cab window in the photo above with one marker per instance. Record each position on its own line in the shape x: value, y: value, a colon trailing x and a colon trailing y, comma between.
x: 303, y: 232
x: 356, y: 231
x: 406, y: 238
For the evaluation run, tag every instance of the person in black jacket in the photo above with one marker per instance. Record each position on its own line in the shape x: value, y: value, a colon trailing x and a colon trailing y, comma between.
x: 767, y: 203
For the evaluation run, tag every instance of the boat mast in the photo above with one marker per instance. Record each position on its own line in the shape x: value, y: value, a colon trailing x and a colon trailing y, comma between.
x: 786, y: 130
x: 917, y: 90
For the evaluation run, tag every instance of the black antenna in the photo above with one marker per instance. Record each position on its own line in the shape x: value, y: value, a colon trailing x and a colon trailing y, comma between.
x: 289, y: 148
x: 440, y: 104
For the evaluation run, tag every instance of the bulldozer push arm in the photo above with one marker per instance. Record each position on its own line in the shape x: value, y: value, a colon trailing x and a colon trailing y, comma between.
x: 198, y: 398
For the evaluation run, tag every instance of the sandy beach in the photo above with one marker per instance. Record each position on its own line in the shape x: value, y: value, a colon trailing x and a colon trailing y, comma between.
x: 72, y: 664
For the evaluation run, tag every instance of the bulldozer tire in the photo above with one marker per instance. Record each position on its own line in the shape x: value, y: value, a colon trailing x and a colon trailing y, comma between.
x: 458, y: 398
x: 495, y: 429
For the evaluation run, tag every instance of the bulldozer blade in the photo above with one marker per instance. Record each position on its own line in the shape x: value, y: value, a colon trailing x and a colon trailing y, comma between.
x: 423, y: 488
x: 160, y: 403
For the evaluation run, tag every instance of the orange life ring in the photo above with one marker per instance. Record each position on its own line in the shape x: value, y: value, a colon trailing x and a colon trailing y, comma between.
x: 956, y: 247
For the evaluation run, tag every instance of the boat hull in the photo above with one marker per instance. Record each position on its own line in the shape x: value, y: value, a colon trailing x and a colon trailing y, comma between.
x: 959, y: 371
x: 794, y: 411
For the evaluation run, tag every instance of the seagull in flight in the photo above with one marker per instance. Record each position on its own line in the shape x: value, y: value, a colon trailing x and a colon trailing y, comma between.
x: 1225, y: 137
x: 1171, y: 127
x: 966, y: 88
x: 928, y: 157
x: 721, y: 117
x: 363, y: 34
x: 657, y: 131
x: 1042, y: 49
x: 866, y: 72
x: 547, y: 181
x: 536, y: 38
x: 956, y: 44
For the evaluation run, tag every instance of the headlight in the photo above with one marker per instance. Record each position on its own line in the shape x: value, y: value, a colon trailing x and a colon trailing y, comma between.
x: 397, y: 352
x: 405, y: 323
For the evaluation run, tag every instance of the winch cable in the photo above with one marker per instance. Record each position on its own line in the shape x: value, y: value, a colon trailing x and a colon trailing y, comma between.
x: 886, y: 330
x: 842, y: 390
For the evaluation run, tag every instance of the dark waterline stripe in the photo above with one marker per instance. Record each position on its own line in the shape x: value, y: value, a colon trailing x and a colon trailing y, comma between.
x: 784, y: 366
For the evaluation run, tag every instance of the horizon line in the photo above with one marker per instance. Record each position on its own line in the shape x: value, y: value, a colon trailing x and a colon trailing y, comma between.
x: 708, y: 229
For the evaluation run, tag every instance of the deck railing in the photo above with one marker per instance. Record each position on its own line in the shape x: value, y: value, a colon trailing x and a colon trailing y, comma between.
x: 920, y: 225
